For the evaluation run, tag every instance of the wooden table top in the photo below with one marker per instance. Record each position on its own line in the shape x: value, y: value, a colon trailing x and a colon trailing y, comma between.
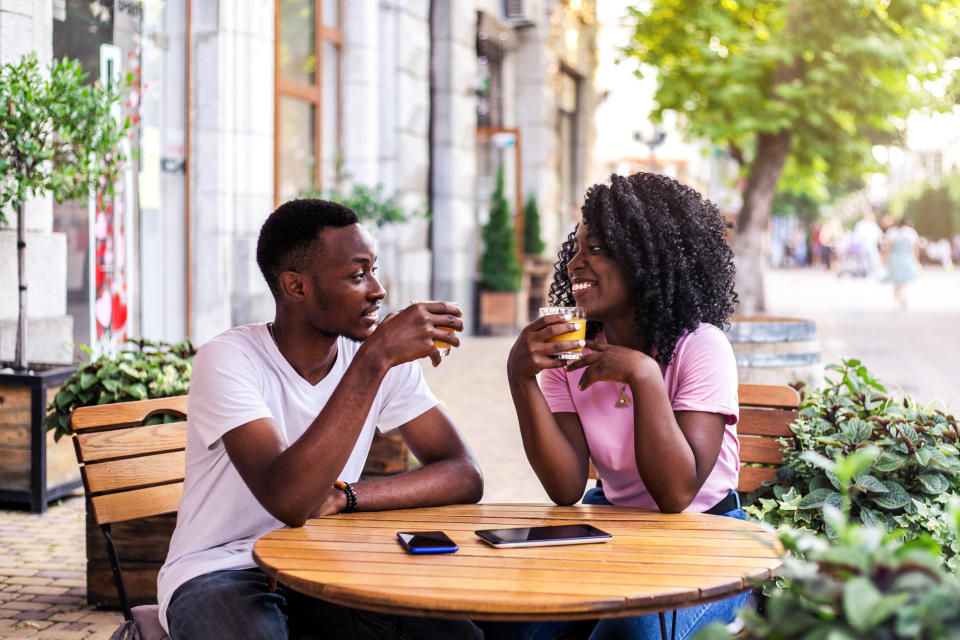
x: 655, y: 562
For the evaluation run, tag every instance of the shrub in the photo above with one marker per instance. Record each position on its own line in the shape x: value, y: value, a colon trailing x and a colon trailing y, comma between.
x: 499, y: 265
x: 861, y: 583
x: 140, y: 371
x: 532, y: 243
x: 906, y: 486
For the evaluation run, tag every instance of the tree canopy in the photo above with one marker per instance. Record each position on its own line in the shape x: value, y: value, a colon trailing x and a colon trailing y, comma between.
x: 795, y: 89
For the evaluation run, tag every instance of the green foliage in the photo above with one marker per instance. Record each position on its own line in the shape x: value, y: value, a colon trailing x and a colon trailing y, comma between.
x: 532, y: 243
x: 140, y: 371
x: 933, y: 208
x: 904, y: 456
x: 369, y: 203
x: 862, y: 583
x: 57, y: 135
x: 499, y: 265
x: 836, y: 75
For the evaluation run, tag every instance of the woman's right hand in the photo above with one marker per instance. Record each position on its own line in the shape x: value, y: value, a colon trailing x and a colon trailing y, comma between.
x: 531, y: 353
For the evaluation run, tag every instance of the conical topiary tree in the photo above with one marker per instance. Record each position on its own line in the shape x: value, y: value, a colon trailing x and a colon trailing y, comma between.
x: 499, y: 265
x: 532, y: 244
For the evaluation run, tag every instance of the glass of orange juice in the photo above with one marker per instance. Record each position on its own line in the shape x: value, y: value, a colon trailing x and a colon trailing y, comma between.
x: 443, y: 347
x: 578, y: 317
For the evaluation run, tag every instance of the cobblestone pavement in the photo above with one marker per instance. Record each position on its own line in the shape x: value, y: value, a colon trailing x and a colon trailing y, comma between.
x: 42, y: 561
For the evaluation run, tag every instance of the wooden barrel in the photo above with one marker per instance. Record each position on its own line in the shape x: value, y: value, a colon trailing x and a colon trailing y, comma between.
x: 776, y: 350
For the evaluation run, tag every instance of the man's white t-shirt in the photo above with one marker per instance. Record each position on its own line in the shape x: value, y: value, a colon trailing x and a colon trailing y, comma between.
x: 238, y: 377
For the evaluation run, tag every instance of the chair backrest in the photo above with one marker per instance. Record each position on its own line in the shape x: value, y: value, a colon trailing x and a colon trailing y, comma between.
x: 766, y: 412
x: 131, y: 471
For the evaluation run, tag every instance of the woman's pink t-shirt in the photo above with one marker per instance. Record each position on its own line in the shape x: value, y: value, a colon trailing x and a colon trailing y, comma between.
x: 701, y: 377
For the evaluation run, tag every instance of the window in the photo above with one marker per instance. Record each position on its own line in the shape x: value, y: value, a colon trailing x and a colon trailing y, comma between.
x: 307, y: 104
x: 568, y: 105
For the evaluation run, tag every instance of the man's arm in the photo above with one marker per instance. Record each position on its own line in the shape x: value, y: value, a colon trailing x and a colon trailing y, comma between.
x: 294, y: 482
x: 450, y: 474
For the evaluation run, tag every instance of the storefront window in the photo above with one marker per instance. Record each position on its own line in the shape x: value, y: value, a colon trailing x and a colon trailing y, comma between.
x: 307, y: 127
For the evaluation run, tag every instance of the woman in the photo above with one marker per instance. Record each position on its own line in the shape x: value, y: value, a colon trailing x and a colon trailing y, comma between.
x: 653, y: 400
x: 902, y: 263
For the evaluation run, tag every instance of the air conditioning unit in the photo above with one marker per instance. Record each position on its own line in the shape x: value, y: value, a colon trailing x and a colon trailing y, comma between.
x: 520, y: 13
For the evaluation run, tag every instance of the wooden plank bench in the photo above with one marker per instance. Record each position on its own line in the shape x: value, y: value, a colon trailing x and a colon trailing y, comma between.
x: 130, y: 472
x: 766, y: 412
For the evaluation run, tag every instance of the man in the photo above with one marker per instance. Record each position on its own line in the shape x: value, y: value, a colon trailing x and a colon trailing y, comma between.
x: 279, y: 412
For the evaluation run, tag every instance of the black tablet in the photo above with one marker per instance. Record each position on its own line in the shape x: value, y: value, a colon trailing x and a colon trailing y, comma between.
x: 544, y: 536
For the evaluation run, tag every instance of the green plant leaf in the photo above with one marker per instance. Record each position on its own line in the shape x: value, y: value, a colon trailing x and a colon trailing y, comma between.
x: 895, y: 498
x: 933, y: 483
x: 819, y: 497
x: 889, y: 461
x: 867, y: 482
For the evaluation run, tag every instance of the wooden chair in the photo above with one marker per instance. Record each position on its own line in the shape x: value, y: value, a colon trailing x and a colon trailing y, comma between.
x: 766, y: 412
x: 130, y: 471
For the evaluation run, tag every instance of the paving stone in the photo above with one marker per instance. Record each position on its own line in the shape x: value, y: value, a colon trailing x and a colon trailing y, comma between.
x: 31, y: 615
x: 45, y: 590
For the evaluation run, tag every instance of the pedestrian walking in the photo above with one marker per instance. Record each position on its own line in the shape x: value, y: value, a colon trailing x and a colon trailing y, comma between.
x: 902, y: 264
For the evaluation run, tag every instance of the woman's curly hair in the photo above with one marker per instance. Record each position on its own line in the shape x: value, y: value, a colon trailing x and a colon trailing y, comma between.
x: 670, y: 243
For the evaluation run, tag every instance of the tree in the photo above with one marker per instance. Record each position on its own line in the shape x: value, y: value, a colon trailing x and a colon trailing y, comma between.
x: 57, y: 136
x: 793, y: 89
x: 499, y: 265
x: 532, y: 243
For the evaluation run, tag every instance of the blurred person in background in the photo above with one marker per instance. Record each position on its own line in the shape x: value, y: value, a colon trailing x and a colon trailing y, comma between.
x: 902, y: 265
x: 868, y: 234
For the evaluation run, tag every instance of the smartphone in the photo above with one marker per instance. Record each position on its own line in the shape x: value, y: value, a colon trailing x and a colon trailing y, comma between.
x: 426, y: 542
x: 544, y: 536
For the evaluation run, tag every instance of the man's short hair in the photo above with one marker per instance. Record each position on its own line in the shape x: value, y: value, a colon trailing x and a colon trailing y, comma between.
x: 289, y: 238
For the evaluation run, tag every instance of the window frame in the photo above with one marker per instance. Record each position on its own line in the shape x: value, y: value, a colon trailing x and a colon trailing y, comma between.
x: 310, y: 93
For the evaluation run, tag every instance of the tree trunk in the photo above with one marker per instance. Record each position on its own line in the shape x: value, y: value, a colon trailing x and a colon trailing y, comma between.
x: 772, y: 150
x: 20, y: 356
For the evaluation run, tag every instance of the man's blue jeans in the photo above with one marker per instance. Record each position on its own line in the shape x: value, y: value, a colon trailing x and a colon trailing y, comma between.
x: 238, y: 605
x: 647, y: 627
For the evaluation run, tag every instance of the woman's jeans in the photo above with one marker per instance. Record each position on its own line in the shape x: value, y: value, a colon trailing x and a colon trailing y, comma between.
x: 646, y: 627
x: 239, y: 605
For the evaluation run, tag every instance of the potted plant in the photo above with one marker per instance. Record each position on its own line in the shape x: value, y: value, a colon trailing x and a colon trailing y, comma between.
x: 141, y: 369
x: 905, y: 487
x: 57, y: 137
x: 501, y: 308
x: 863, y: 582
x: 537, y: 270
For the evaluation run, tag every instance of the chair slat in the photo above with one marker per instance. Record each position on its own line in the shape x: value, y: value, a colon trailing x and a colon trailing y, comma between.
x: 752, y: 477
x: 137, y: 503
x: 157, y: 438
x: 765, y: 422
x: 763, y: 450
x: 131, y: 473
x: 125, y: 414
x: 768, y: 395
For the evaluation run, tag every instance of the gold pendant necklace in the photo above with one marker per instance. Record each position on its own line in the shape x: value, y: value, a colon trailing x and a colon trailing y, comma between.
x: 623, y: 400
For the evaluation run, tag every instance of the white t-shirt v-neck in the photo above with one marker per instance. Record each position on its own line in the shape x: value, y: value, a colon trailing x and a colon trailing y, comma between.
x: 238, y: 377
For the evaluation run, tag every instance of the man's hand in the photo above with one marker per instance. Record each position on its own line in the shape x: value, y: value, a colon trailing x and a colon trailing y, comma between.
x: 334, y: 502
x: 410, y: 334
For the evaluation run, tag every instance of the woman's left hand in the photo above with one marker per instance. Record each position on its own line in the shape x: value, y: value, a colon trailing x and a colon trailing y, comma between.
x: 613, y: 363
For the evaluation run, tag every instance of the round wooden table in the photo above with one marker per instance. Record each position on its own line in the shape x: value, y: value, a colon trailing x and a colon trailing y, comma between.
x: 655, y: 562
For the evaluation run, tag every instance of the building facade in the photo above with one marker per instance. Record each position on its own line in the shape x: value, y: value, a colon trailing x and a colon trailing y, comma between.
x: 240, y: 105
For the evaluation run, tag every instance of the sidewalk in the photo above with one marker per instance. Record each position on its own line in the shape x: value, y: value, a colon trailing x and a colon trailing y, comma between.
x: 42, y: 558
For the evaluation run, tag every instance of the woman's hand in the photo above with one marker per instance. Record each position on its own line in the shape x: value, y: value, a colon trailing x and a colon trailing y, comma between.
x: 613, y: 363
x: 531, y: 353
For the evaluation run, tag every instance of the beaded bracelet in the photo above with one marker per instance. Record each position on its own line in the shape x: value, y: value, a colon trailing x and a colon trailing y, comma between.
x: 347, y: 488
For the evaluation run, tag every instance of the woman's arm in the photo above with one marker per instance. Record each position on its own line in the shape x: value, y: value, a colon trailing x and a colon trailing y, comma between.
x: 675, y: 451
x: 554, y: 443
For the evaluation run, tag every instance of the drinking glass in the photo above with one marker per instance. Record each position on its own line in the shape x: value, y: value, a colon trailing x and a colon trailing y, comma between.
x: 443, y: 347
x: 578, y: 317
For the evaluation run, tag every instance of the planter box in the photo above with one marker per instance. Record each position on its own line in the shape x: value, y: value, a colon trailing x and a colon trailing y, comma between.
x: 502, y: 312
x: 33, y: 468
